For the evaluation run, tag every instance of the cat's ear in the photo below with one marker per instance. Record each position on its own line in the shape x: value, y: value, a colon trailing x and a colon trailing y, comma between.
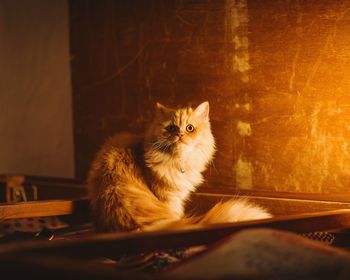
x: 202, y: 111
x: 164, y: 111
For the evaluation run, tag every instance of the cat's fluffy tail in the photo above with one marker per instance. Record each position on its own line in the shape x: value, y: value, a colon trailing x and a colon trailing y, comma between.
x: 234, y: 210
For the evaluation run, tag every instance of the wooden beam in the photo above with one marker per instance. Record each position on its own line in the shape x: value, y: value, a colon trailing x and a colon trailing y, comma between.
x: 225, y: 190
x: 42, y: 208
x: 201, y: 202
x: 117, y: 244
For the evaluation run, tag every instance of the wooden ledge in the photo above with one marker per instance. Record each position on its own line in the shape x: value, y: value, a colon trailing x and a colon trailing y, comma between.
x: 117, y: 244
x: 42, y: 208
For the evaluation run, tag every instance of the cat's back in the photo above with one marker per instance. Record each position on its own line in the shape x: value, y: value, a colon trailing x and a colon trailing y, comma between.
x: 119, y: 155
x: 122, y: 141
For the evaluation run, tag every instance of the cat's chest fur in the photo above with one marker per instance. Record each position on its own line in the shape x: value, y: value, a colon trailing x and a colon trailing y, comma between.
x: 177, y: 176
x: 182, y: 171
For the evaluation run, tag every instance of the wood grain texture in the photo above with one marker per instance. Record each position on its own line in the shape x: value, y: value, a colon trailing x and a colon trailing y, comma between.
x: 299, y: 52
x: 275, y: 74
x: 43, y: 209
x: 198, y: 204
x: 278, y: 206
x: 128, y: 55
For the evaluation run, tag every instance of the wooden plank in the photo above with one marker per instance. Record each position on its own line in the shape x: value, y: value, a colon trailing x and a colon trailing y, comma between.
x: 117, y: 244
x: 225, y: 190
x: 41, y: 208
x: 201, y: 202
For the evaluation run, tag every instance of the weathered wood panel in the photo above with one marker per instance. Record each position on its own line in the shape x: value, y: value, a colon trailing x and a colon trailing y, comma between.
x: 128, y: 55
x: 274, y: 72
x: 300, y: 55
x: 44, y: 209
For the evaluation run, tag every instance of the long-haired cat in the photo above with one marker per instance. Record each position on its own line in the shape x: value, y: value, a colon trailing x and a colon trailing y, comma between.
x: 142, y: 183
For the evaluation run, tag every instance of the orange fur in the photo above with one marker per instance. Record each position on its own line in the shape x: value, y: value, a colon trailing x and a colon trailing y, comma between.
x: 142, y: 183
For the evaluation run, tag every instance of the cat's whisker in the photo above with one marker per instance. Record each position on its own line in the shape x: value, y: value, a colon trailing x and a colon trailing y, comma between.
x: 163, y: 144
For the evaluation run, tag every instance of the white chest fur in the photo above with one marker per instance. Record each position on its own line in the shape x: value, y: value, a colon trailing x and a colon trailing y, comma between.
x: 183, y: 171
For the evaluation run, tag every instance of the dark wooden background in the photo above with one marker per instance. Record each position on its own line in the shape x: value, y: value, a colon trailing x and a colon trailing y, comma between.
x: 276, y: 74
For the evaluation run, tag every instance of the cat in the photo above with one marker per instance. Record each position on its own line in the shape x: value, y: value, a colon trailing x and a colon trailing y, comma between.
x: 142, y: 183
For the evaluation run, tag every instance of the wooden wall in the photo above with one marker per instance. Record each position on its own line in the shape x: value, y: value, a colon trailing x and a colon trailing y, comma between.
x: 275, y: 73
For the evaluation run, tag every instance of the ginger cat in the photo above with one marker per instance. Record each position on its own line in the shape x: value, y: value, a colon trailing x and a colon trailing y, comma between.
x: 142, y: 183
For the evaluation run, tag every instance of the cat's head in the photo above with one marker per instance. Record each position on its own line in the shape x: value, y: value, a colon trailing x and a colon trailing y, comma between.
x: 173, y: 128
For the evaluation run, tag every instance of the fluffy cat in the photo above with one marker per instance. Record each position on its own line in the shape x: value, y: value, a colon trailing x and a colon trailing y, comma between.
x: 142, y: 183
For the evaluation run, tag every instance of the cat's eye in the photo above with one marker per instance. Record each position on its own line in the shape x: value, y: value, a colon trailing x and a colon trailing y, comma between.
x: 171, y: 128
x: 190, y: 128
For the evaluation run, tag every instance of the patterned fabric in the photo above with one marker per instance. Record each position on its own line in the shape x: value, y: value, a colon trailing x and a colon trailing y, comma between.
x: 322, y: 236
x: 30, y: 224
x: 155, y: 261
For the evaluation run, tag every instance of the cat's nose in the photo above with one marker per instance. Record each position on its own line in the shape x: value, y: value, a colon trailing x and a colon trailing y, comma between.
x: 180, y: 134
